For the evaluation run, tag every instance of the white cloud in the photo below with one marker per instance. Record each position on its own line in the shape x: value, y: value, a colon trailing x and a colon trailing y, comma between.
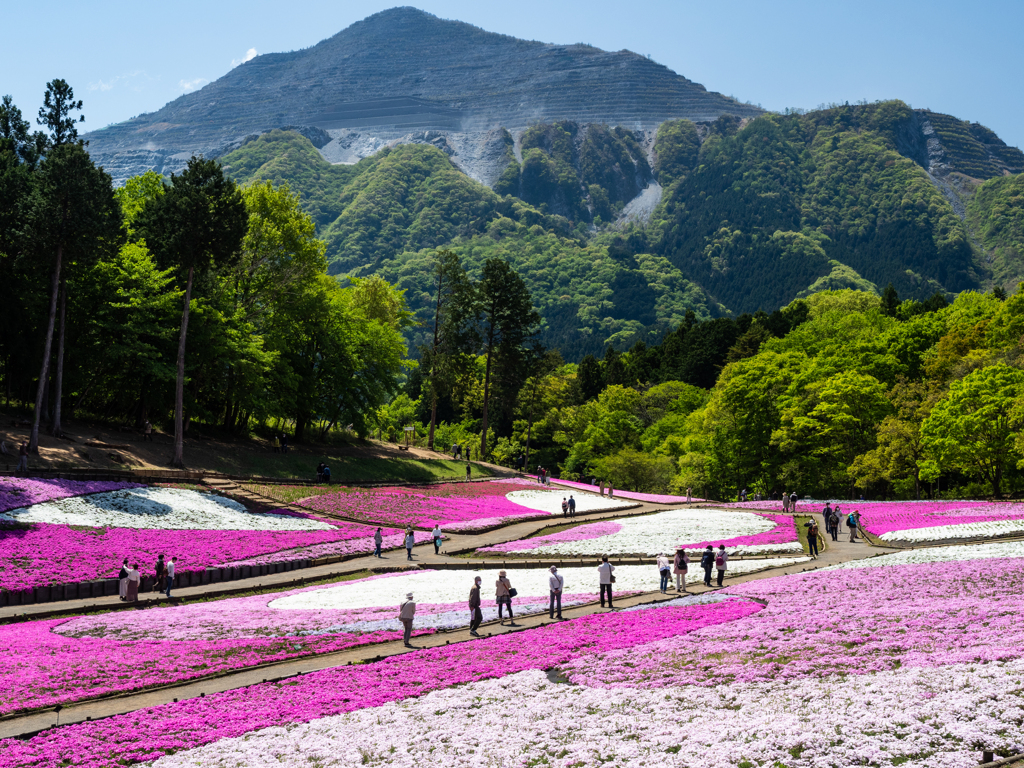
x: 249, y: 56
x: 125, y: 79
x: 192, y: 85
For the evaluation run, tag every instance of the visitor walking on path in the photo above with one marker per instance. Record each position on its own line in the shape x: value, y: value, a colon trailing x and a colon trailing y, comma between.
x: 572, y: 506
x: 707, y: 562
x: 851, y: 522
x: 378, y: 540
x: 122, y: 579
x: 436, y: 536
x: 161, y: 571
x: 406, y: 612
x: 682, y: 564
x: 147, y: 432
x: 320, y: 472
x: 22, y: 458
x: 171, y: 567
x: 665, y: 571
x: 839, y: 513
x: 556, y: 583
x: 688, y: 496
x: 605, y: 572
x: 409, y: 541
x: 468, y: 472
x: 721, y: 563
x: 503, y: 595
x: 475, y: 616
x: 833, y: 520
x: 792, y: 502
x: 812, y: 538
x: 826, y: 515
x: 785, y: 502
x: 565, y: 507
x: 132, y: 591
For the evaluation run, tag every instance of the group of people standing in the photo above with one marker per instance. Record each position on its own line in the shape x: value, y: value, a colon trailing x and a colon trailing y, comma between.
x: 130, y: 579
x: 568, y: 506
x: 680, y: 565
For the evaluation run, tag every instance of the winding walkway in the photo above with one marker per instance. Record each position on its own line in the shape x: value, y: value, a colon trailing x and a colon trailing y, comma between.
x: 31, y: 723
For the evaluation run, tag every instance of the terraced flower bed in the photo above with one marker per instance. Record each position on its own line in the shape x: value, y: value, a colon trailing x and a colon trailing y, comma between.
x: 885, y: 663
x: 80, y: 532
x: 916, y: 522
x: 454, y: 506
x: 741, y: 532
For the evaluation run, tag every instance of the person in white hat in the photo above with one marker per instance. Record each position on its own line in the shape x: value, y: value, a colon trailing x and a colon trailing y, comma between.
x: 405, y: 614
x: 555, y: 585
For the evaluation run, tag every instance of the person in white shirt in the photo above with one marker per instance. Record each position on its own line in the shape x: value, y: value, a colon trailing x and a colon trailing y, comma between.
x: 406, y: 612
x: 665, y: 571
x: 132, y: 591
x: 605, y: 571
x: 435, y: 536
x: 721, y: 562
x: 556, y: 583
x: 171, y: 566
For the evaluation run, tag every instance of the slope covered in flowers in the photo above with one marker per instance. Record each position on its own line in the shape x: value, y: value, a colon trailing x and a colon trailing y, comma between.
x: 80, y: 532
x: 454, y: 506
x: 663, y: 532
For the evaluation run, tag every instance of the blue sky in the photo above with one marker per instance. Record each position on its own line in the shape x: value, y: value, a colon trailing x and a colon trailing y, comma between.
x: 126, y: 58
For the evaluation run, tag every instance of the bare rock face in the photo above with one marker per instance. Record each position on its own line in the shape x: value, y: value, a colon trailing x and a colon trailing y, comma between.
x: 400, y: 75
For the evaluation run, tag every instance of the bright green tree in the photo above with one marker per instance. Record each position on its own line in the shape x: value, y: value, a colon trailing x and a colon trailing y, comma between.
x: 199, y: 222
x: 971, y: 428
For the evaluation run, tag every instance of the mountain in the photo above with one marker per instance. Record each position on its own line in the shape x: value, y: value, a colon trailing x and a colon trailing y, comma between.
x: 404, y: 71
x: 625, y: 195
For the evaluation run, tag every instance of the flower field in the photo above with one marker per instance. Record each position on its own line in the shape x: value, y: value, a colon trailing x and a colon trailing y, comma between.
x: 455, y: 506
x: 74, y: 537
x: 663, y: 532
x: 916, y: 522
x: 653, y: 498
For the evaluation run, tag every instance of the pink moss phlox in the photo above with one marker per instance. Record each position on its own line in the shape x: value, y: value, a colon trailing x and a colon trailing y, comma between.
x: 148, y: 734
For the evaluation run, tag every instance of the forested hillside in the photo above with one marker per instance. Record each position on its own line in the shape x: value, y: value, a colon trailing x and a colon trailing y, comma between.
x: 753, y: 214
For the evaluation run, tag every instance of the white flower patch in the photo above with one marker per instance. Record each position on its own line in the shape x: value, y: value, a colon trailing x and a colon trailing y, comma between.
x: 661, y: 533
x: 988, y: 529
x: 433, y: 587
x: 162, y: 509
x: 963, y: 552
x: 924, y: 718
x: 551, y: 501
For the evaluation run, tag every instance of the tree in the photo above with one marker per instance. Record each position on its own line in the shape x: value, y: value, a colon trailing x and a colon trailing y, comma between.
x: 508, y: 319
x: 971, y: 428
x: 199, y: 221
x: 74, y: 216
x: 455, y: 310
x: 58, y: 104
x: 636, y: 471
x: 901, y: 451
x: 589, y: 375
x: 890, y: 301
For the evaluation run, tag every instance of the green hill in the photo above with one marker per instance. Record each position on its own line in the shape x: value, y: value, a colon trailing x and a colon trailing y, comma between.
x: 753, y: 214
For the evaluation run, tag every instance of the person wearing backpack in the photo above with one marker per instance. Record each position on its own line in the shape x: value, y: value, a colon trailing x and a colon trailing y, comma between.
x: 565, y: 507
x: 792, y: 502
x: 851, y: 522
x: 812, y: 538
x: 834, y: 523
x: 681, y: 565
x: 707, y: 562
x: 721, y: 563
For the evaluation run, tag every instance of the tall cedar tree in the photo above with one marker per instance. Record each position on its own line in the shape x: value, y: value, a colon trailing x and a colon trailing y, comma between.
x: 72, y: 213
x: 455, y: 311
x: 199, y: 222
x: 508, y: 322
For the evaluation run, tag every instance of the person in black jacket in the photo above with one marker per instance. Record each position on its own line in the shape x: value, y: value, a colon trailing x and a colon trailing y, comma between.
x: 476, y: 617
x: 707, y: 562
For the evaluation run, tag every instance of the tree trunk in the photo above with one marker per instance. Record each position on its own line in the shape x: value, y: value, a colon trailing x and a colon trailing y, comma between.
x: 56, y: 427
x: 433, y: 417
x: 487, y: 394
x: 33, y: 442
x: 178, y: 460
x: 433, y: 365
